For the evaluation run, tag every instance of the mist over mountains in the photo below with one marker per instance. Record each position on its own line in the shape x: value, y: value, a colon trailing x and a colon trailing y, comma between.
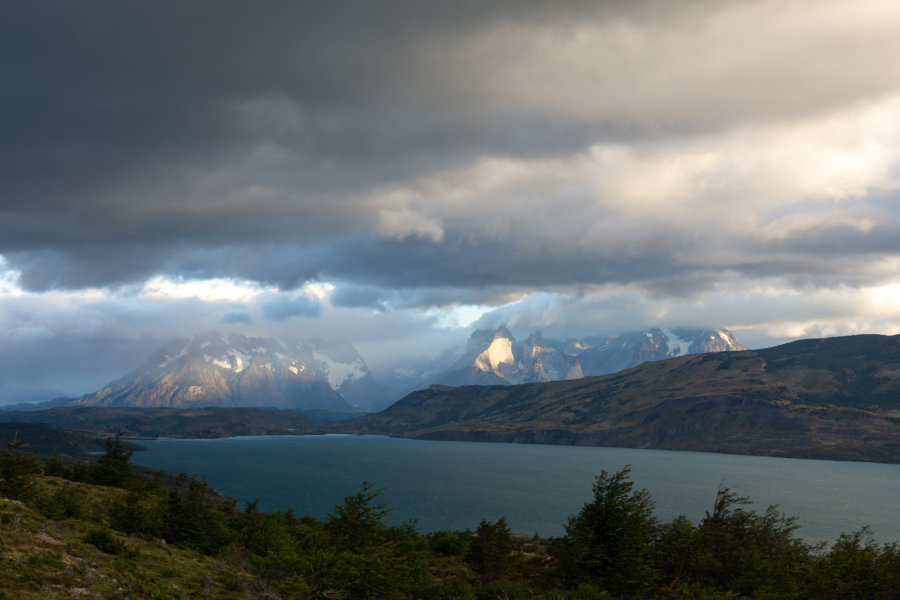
x: 234, y: 370
x: 496, y: 358
x: 325, y: 378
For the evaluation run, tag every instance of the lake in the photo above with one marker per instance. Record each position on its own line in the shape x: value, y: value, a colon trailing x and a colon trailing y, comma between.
x: 454, y: 485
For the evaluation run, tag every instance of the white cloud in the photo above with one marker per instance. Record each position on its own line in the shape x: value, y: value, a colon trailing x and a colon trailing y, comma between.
x: 456, y: 317
x: 8, y: 280
x: 207, y: 290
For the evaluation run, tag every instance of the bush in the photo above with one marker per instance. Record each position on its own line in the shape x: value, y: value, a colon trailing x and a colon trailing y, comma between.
x: 448, y: 543
x: 609, y: 543
x: 489, y: 551
x: 105, y: 541
x: 142, y: 513
x: 743, y: 551
x: 66, y: 502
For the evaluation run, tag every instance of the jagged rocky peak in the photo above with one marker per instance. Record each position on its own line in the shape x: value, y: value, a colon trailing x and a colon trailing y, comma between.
x: 600, y: 356
x: 337, y: 363
x: 232, y: 352
x: 222, y: 369
x: 500, y: 352
x: 495, y: 357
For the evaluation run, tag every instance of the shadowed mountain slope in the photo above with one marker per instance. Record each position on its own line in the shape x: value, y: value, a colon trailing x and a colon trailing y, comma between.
x: 830, y: 398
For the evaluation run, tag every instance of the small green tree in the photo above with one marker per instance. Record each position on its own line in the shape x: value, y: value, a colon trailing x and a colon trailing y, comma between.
x: 857, y: 568
x: 749, y: 553
x: 370, y: 559
x: 140, y: 512
x: 55, y: 467
x: 114, y: 466
x: 359, y: 521
x: 490, y: 551
x: 609, y: 543
x: 194, y: 519
x: 17, y: 472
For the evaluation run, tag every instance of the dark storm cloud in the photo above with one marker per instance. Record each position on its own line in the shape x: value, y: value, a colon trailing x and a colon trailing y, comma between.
x: 101, y: 98
x: 289, y: 142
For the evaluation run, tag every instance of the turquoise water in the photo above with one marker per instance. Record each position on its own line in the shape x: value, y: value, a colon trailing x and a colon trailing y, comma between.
x: 453, y: 485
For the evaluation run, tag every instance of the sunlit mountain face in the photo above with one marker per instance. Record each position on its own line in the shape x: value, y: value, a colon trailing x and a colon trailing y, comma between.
x: 495, y: 357
x: 234, y: 370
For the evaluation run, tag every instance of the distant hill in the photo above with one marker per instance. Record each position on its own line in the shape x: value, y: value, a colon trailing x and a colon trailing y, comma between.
x: 46, y: 440
x: 829, y: 398
x: 210, y: 422
x: 494, y: 357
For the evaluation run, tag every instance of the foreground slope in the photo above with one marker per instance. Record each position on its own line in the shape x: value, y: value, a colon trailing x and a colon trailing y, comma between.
x: 47, y: 559
x: 830, y: 398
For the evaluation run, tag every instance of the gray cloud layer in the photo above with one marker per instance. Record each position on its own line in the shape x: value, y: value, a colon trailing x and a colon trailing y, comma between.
x: 277, y: 143
x: 419, y: 155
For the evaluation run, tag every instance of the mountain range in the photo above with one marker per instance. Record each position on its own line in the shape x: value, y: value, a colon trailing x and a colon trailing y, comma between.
x: 233, y: 370
x: 834, y: 398
x: 494, y: 357
x: 331, y: 380
x: 828, y: 398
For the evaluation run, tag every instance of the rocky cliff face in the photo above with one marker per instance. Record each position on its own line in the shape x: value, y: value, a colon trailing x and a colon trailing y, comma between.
x: 233, y: 370
x: 496, y: 358
x: 614, y: 354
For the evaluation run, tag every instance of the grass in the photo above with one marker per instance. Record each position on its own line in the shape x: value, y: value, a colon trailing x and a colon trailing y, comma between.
x: 46, y: 559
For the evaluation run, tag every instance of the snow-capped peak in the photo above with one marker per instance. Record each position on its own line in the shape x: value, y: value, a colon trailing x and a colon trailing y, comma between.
x: 339, y: 373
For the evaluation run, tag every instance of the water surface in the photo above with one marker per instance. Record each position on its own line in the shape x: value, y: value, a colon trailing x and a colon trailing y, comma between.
x: 453, y: 485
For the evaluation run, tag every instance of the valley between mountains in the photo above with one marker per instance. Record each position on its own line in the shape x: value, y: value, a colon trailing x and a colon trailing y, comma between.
x: 833, y: 398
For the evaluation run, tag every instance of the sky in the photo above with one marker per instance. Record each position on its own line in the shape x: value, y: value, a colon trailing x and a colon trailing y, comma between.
x: 398, y: 173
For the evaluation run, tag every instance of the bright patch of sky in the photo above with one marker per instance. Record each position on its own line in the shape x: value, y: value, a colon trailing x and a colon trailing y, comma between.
x: 209, y: 290
x: 456, y: 317
x: 318, y: 291
x: 9, y: 280
x: 886, y: 299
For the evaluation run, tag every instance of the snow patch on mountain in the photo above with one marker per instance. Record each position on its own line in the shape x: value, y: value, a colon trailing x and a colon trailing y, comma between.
x: 677, y: 346
x: 239, y: 360
x: 727, y: 337
x: 170, y: 359
x: 339, y: 373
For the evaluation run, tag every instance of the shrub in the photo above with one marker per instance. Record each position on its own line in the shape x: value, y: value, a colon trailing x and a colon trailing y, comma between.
x: 105, y: 541
x: 66, y: 502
